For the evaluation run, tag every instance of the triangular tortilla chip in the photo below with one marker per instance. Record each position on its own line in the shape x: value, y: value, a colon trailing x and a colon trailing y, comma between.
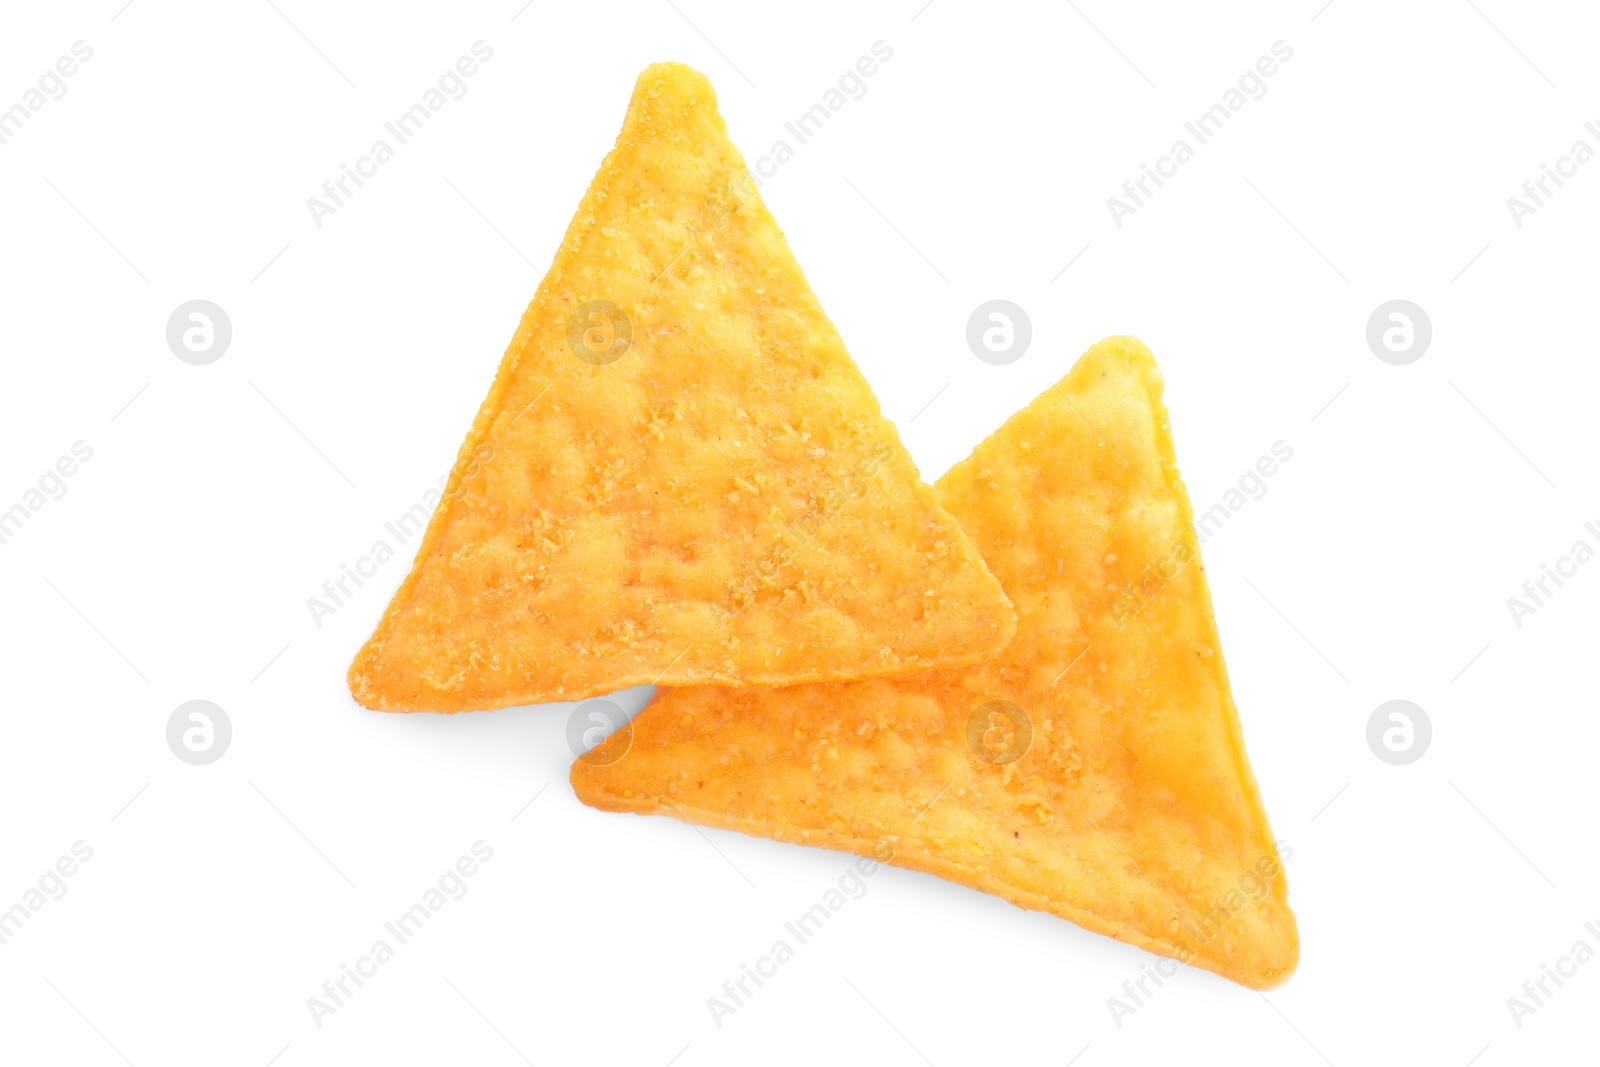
x: 679, y: 475
x: 1094, y: 770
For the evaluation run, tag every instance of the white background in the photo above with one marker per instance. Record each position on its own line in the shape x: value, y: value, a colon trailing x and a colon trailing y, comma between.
x: 1377, y: 566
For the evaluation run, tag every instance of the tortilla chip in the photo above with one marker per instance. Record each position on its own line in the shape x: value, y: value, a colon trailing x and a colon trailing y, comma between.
x: 679, y: 475
x: 1095, y: 770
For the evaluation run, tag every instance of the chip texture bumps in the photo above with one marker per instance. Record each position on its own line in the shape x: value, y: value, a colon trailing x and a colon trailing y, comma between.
x: 1095, y: 769
x: 679, y: 475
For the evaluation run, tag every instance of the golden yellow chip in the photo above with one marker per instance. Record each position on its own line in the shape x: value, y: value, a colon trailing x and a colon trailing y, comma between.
x: 1094, y: 770
x: 679, y: 475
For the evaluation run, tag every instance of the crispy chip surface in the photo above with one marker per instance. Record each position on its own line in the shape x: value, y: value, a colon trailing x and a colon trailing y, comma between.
x: 1094, y: 770
x: 679, y: 475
